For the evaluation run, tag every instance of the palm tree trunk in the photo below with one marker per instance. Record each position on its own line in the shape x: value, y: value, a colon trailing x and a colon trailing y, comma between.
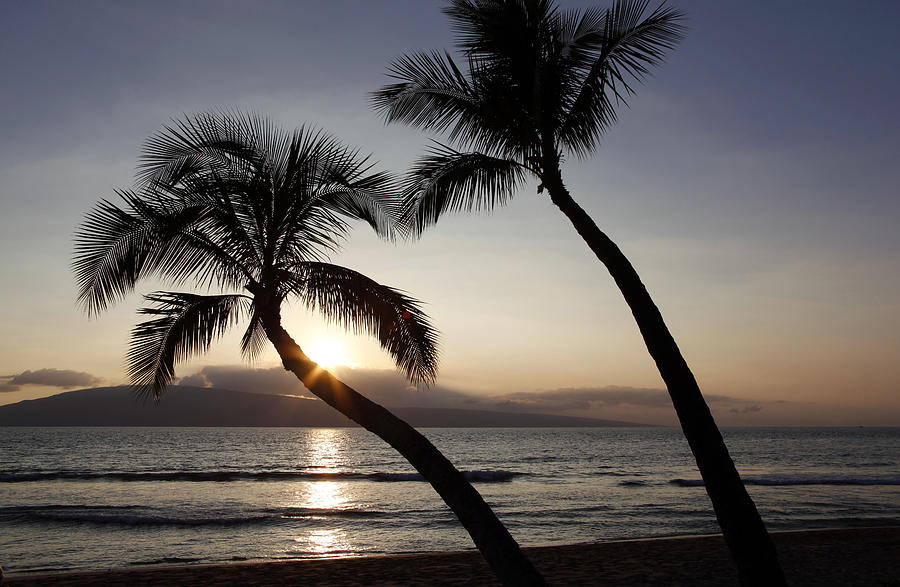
x: 490, y: 536
x: 743, y: 528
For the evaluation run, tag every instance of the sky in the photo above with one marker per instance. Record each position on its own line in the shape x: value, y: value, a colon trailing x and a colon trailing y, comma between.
x: 752, y: 181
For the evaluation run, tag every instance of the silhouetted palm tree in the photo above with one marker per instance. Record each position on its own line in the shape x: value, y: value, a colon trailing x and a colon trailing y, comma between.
x: 229, y: 202
x: 539, y: 83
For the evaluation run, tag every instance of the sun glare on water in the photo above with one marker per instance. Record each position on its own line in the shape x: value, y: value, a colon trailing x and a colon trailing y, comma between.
x: 317, y: 498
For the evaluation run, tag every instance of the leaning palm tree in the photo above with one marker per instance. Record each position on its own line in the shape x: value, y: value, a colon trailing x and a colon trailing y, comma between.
x: 229, y: 202
x: 539, y: 83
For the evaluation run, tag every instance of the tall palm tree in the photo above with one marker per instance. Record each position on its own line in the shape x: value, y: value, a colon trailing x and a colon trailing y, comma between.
x: 537, y: 84
x: 230, y: 202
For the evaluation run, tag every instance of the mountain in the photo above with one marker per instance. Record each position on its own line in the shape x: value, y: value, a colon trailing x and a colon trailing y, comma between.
x: 199, y: 406
x: 458, y: 418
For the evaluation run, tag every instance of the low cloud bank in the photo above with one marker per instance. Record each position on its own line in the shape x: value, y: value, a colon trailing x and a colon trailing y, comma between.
x: 274, y: 381
x: 384, y: 386
x: 62, y: 378
x: 585, y: 398
x: 388, y: 387
x: 600, y: 400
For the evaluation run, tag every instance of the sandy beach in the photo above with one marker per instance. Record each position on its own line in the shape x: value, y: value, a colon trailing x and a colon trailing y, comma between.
x: 869, y: 556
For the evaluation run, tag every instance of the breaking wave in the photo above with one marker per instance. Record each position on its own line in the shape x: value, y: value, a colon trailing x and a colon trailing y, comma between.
x: 486, y: 476
x: 779, y: 480
x: 133, y: 515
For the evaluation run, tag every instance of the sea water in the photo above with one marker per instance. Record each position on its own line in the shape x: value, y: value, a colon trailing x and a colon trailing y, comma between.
x: 97, y: 498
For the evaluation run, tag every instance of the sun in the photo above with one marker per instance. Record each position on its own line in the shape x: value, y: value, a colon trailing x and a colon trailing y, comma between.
x: 328, y: 353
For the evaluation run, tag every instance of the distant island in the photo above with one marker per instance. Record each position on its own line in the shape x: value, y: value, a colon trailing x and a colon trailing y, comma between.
x: 200, y: 406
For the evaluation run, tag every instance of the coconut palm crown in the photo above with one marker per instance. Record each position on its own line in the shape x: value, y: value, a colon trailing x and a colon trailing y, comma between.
x: 229, y: 202
x: 537, y: 84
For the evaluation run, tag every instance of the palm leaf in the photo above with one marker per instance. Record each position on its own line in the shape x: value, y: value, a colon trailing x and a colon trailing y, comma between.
x: 378, y: 209
x: 497, y: 29
x: 446, y: 180
x: 204, y: 141
x: 432, y: 92
x: 364, y: 306
x: 111, y: 252
x: 274, y: 196
x: 115, y: 247
x: 182, y: 325
x: 254, y: 339
x: 481, y: 108
x: 337, y: 179
x: 618, y: 53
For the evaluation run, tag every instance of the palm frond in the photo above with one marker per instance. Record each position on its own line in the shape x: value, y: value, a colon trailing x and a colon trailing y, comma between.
x: 362, y: 305
x: 621, y: 52
x: 340, y: 180
x: 497, y: 29
x: 446, y: 180
x: 223, y: 159
x: 110, y: 255
x: 508, y: 44
x: 379, y: 207
x: 254, y: 339
x: 115, y: 247
x: 579, y: 34
x: 489, y: 107
x: 273, y: 197
x: 325, y: 184
x: 231, y: 205
x: 182, y: 325
x: 432, y: 92
x: 194, y: 144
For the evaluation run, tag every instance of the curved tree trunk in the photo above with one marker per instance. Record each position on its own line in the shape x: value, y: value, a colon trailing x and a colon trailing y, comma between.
x: 490, y: 536
x: 743, y: 528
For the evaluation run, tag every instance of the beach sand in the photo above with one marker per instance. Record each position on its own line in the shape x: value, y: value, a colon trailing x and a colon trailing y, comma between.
x: 869, y: 556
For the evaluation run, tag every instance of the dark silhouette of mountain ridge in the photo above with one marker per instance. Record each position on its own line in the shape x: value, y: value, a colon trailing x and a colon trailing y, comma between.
x: 199, y: 406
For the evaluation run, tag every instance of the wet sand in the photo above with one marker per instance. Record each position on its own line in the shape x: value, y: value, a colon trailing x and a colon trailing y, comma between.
x: 869, y: 556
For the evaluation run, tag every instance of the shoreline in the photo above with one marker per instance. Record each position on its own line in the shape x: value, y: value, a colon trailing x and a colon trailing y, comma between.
x: 850, y: 556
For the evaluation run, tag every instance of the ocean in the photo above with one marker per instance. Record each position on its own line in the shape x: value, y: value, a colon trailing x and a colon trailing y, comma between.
x: 100, y: 498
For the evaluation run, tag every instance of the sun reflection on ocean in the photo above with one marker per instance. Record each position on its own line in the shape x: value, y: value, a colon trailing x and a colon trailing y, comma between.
x: 324, y: 541
x: 318, y: 499
x: 324, y: 449
x: 324, y: 495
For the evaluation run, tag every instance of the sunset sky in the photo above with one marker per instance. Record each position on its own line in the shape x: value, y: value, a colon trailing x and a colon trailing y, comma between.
x: 753, y: 182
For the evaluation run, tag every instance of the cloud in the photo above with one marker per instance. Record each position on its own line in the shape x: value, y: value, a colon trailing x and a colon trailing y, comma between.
x: 601, y: 399
x: 583, y: 398
x: 389, y: 388
x: 746, y: 409
x: 384, y: 386
x: 273, y: 380
x: 63, y: 378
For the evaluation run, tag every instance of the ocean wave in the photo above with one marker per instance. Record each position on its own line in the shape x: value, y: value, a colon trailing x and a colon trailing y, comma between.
x: 481, y: 476
x: 785, y: 480
x: 166, y: 560
x: 308, y: 512
x: 490, y: 476
x: 37, y: 508
x: 130, y: 515
x: 117, y: 519
x: 633, y: 483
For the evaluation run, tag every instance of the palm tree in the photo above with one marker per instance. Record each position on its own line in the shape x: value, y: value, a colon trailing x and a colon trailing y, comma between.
x: 538, y: 84
x: 230, y: 202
